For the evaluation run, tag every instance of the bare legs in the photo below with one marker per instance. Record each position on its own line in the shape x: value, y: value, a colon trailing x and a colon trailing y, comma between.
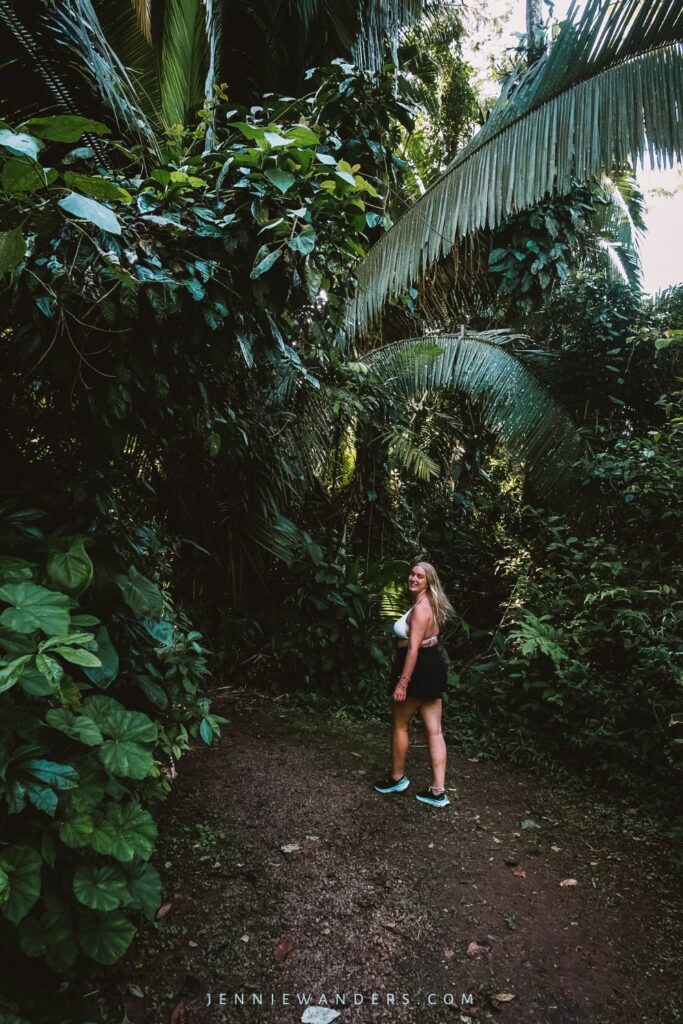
x: 430, y: 713
x: 403, y: 711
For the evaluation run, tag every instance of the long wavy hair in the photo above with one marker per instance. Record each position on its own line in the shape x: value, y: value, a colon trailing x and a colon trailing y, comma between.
x: 441, y: 606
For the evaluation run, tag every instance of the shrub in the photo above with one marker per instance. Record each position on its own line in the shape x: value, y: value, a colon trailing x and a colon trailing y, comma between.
x: 99, y: 691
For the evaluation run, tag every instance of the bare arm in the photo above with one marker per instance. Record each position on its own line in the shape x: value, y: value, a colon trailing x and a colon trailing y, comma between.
x: 420, y: 619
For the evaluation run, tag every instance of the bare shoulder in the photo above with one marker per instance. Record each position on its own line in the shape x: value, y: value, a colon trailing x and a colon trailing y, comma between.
x: 421, y: 612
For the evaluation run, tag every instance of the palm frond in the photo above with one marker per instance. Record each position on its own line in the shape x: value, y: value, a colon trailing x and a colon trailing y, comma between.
x: 608, y: 93
x: 619, y: 225
x: 135, y: 47
x: 513, y: 403
x: 143, y: 13
x: 411, y: 457
x: 77, y: 25
x: 184, y: 60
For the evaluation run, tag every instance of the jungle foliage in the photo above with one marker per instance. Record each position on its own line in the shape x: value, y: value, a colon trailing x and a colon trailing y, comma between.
x: 194, y: 438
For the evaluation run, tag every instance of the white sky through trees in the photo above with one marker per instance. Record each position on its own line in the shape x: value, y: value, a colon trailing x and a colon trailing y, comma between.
x: 499, y: 26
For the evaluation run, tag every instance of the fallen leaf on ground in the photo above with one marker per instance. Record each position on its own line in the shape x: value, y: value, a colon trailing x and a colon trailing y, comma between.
x: 475, y: 949
x: 283, y: 949
x: 319, y: 1015
x: 193, y: 944
x: 556, y: 849
x: 529, y: 823
x: 504, y: 997
x: 566, y: 882
x: 519, y: 873
x: 244, y: 938
x: 135, y: 990
x: 179, y: 1015
x: 449, y: 953
x: 290, y: 847
x: 164, y: 909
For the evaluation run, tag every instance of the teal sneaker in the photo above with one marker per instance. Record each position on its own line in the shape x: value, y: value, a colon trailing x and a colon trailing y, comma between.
x: 428, y: 796
x: 392, y: 785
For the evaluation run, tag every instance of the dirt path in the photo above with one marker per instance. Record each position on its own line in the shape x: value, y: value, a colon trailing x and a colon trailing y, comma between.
x: 288, y: 877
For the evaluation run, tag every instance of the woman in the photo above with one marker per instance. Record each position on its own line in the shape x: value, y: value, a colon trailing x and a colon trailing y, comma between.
x: 417, y: 680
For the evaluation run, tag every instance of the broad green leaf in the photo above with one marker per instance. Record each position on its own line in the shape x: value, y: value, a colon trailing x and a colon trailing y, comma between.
x: 78, y: 727
x: 105, y: 937
x: 248, y: 130
x: 34, y: 608
x: 159, y: 630
x: 22, y: 175
x: 140, y: 594
x: 91, y: 210
x: 100, y: 888
x: 43, y: 798
x: 77, y: 831
x: 144, y: 887
x: 50, y: 935
x: 52, y: 773
x: 50, y: 669
x: 276, y: 140
x: 12, y: 249
x: 347, y: 177
x: 304, y: 243
x: 96, y: 186
x: 126, y: 831
x: 15, y: 570
x: 152, y: 691
x: 23, y: 865
x: 72, y: 570
x: 109, y: 667
x: 20, y: 143
x: 303, y: 136
x: 10, y: 674
x: 283, y: 180
x: 92, y: 785
x: 264, y: 261
x: 65, y: 127
x: 326, y: 158
x: 124, y: 754
x: 77, y: 656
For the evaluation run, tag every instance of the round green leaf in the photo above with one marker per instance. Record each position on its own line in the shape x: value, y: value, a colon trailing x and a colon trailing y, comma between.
x: 125, y: 753
x: 105, y: 937
x: 72, y: 570
x: 144, y: 888
x: 34, y: 608
x: 12, y: 249
x: 127, y: 831
x: 89, y: 209
x: 78, y: 727
x: 23, y: 866
x: 100, y: 888
x: 77, y: 831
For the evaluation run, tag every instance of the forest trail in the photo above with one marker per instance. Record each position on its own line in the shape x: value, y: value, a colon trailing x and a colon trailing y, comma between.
x: 286, y: 876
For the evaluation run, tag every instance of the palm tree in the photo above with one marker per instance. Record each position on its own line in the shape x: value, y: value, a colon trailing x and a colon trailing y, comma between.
x: 154, y: 63
x: 609, y: 90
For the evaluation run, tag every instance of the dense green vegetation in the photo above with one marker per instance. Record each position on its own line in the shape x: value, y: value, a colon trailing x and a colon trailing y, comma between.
x: 219, y: 457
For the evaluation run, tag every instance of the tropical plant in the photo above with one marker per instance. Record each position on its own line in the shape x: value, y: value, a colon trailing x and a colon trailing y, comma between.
x: 566, y: 113
x: 95, y: 708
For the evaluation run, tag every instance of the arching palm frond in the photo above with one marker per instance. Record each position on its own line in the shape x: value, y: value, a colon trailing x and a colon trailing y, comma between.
x: 607, y: 93
x: 513, y: 402
x: 619, y: 225
x: 77, y: 25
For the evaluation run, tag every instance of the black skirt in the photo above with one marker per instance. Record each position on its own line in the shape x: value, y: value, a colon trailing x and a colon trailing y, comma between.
x: 429, y: 678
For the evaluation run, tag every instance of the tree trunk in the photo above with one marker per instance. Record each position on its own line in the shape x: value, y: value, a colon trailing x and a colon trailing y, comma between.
x: 534, y: 30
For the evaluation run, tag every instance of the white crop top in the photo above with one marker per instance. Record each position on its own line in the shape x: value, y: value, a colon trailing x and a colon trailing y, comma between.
x: 401, y: 625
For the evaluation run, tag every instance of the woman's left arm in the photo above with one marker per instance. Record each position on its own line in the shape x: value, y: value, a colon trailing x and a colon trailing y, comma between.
x: 419, y: 621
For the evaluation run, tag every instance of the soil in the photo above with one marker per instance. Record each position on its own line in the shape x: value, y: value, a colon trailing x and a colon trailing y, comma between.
x: 288, y: 878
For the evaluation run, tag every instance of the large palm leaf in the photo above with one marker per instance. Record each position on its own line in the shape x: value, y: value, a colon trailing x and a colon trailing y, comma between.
x: 512, y: 401
x: 609, y: 91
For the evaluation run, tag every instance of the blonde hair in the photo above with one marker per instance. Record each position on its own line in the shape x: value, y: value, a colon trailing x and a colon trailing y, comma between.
x: 441, y: 606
